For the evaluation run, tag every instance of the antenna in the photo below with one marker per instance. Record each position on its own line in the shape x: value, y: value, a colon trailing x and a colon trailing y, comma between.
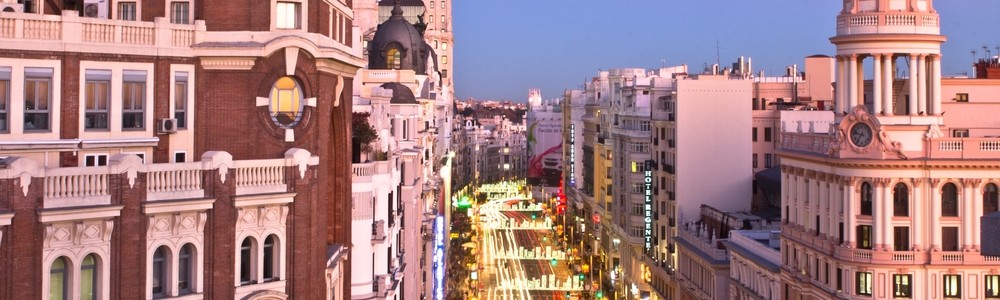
x: 718, y: 52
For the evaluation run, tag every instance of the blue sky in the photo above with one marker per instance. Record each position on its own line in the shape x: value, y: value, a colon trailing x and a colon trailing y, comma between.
x: 505, y: 47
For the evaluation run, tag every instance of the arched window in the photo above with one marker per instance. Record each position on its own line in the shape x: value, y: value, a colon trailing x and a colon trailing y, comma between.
x: 901, y: 200
x: 990, y: 197
x: 866, y: 199
x: 949, y: 200
x: 160, y: 272
x: 286, y: 102
x: 185, y: 269
x: 246, y: 262
x: 269, y: 258
x: 58, y: 280
x: 393, y: 59
x: 88, y: 278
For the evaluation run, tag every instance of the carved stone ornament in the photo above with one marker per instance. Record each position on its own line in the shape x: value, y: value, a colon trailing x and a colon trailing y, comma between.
x: 934, y: 132
x: 881, y: 142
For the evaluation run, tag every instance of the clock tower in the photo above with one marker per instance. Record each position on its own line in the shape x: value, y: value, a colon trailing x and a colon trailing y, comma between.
x: 887, y: 116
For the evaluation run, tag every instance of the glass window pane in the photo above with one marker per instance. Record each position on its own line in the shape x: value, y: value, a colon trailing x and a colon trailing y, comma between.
x: 57, y: 280
x: 88, y: 280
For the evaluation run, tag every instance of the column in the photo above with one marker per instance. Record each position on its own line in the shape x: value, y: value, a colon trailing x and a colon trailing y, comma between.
x: 922, y: 85
x: 917, y: 222
x: 786, y: 213
x: 888, y: 81
x: 935, y: 214
x: 887, y: 205
x: 817, y: 202
x: 852, y: 80
x: 877, y: 85
x: 936, y: 85
x: 841, y: 85
x: 800, y: 195
x: 850, y: 213
x: 833, y: 185
x: 878, y: 216
x: 832, y: 213
x: 914, y: 70
x: 977, y: 211
x: 965, y: 204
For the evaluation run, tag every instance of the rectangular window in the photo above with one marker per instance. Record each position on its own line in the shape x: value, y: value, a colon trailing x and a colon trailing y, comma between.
x: 134, y: 100
x: 864, y: 236
x: 98, y: 96
x: 4, y: 98
x: 901, y: 287
x: 95, y: 160
x: 37, y: 99
x: 181, y: 99
x: 442, y: 5
x: 992, y: 286
x: 287, y: 16
x: 180, y: 12
x: 768, y: 160
x: 755, y: 160
x: 754, y: 135
x: 444, y: 46
x: 953, y: 286
x: 840, y: 279
x: 960, y: 133
x: 126, y: 11
x: 901, y: 238
x: 431, y: 4
x: 962, y: 97
x: 863, y: 284
x: 444, y: 59
x: 949, y: 238
x: 767, y: 134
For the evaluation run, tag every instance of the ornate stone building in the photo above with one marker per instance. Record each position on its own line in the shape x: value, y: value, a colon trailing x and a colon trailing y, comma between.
x: 175, y: 149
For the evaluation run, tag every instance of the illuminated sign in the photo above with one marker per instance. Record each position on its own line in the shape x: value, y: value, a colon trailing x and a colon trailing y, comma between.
x: 439, y: 258
x: 572, y: 155
x: 648, y: 183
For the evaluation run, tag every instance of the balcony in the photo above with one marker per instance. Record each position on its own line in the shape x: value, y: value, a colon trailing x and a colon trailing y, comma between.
x: 365, y: 172
x: 965, y: 148
x: 91, y: 186
x: 692, y: 241
x: 805, y: 142
x: 888, y: 23
x: 69, y: 32
x: 378, y: 231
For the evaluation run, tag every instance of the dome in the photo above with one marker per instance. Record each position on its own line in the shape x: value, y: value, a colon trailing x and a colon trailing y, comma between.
x: 400, y: 93
x: 398, y: 45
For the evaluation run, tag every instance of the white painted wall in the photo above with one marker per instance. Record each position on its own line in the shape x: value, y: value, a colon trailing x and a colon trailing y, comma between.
x: 713, y: 145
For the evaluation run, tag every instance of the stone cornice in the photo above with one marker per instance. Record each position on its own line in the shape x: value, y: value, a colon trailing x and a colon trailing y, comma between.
x: 228, y: 63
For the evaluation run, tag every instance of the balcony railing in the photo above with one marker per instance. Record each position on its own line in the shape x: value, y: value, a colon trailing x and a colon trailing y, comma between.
x: 90, y: 186
x: 882, y: 23
x: 965, y: 148
x: 111, y: 36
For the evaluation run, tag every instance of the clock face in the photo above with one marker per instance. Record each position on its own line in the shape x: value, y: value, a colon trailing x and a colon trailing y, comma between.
x: 861, y: 135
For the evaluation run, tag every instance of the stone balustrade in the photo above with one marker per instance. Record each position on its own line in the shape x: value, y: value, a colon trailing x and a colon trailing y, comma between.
x: 887, y: 23
x: 92, y: 35
x: 92, y: 186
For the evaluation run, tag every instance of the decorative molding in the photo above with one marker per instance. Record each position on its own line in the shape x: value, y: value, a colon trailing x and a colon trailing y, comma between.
x: 972, y: 182
x: 228, y: 63
x: 338, y: 91
x: 336, y: 67
x: 291, y: 60
x: 217, y: 160
x: 933, y: 132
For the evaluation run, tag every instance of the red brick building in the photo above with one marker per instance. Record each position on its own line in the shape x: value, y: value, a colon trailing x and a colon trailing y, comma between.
x: 175, y: 149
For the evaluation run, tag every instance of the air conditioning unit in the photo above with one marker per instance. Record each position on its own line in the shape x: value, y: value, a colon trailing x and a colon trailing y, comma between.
x: 11, y: 7
x: 95, y: 9
x: 167, y: 126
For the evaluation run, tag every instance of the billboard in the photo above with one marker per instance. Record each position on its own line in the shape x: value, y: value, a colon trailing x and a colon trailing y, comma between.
x: 545, y: 145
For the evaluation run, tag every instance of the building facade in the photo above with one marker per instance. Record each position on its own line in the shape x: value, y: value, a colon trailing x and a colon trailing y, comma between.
x: 175, y: 149
x: 888, y: 204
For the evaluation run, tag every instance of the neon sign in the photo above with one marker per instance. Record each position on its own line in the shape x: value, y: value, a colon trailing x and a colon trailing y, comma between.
x: 439, y: 258
x: 648, y: 183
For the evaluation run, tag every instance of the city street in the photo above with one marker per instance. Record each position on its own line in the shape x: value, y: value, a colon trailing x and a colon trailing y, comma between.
x: 518, y: 253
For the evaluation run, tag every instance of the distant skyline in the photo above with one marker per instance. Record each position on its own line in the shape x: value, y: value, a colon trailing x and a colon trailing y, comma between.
x: 504, y: 48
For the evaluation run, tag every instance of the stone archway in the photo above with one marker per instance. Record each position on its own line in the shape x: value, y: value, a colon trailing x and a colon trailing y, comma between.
x: 266, y: 295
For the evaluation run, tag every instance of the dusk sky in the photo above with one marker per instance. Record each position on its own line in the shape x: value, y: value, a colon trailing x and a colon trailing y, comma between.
x: 505, y: 47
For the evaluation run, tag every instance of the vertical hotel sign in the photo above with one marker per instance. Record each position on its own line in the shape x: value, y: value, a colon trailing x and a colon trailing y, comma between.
x: 572, y: 155
x: 648, y: 205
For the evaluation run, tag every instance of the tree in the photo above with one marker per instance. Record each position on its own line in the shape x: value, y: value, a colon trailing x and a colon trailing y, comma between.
x: 362, y: 135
